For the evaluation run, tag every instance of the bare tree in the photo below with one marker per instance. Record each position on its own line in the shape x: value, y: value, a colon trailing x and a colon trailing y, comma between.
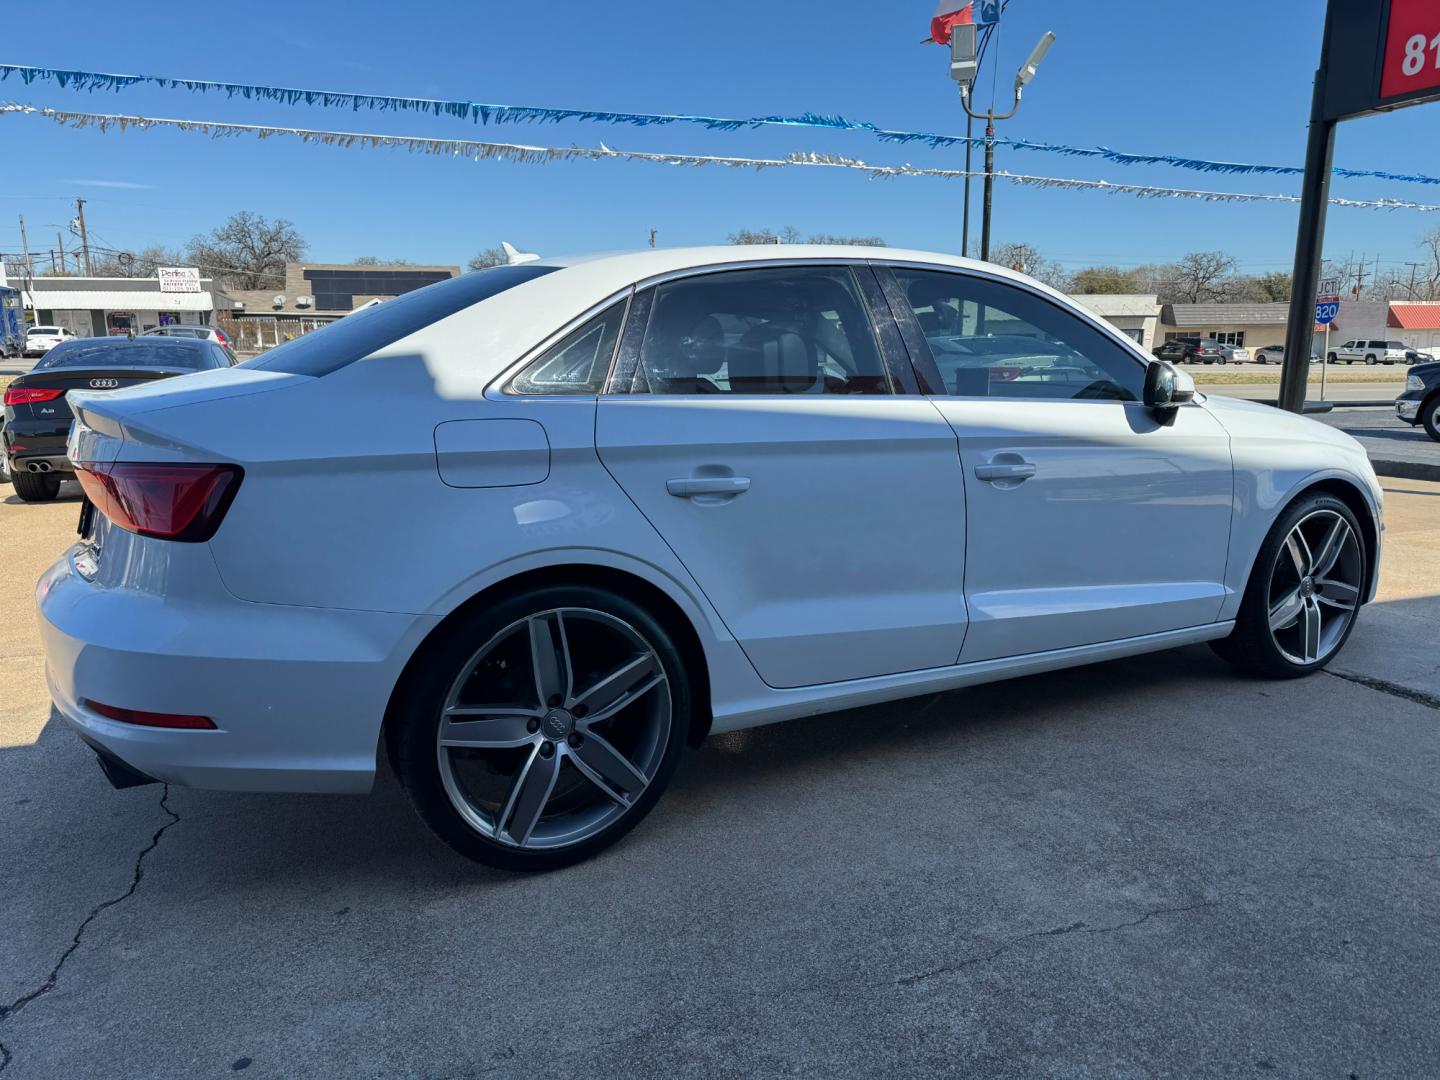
x: 1027, y: 259
x: 492, y: 256
x: 374, y: 260
x: 142, y: 263
x: 1428, y: 275
x: 846, y: 241
x: 788, y: 235
x: 247, y: 251
x: 1199, y: 277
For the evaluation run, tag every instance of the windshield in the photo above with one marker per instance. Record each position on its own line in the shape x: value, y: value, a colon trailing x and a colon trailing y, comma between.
x: 126, y: 354
x: 348, y: 339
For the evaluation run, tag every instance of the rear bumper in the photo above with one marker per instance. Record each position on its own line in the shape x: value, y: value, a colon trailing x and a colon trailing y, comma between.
x: 297, y: 694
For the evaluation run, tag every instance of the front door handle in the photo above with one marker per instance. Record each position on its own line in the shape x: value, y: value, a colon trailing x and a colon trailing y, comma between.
x: 691, y: 486
x: 1022, y: 470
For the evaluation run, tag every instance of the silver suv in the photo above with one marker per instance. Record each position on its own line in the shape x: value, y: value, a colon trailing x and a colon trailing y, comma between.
x: 1371, y: 351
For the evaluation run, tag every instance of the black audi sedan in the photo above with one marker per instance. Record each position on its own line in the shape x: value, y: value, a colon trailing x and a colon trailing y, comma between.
x: 37, y: 420
x: 1420, y: 403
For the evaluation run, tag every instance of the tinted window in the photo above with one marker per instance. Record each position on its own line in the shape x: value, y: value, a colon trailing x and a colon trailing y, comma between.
x: 90, y: 353
x: 579, y: 363
x: 776, y: 331
x: 347, y: 340
x: 992, y: 339
x: 43, y: 330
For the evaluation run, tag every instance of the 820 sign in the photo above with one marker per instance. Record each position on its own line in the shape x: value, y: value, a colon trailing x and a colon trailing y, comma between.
x: 1412, y: 48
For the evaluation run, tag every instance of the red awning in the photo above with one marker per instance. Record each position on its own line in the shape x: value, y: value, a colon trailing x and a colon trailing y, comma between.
x: 1415, y: 316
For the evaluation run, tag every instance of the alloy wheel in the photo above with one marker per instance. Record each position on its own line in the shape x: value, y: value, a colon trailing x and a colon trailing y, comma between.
x: 1315, y: 587
x: 554, y: 728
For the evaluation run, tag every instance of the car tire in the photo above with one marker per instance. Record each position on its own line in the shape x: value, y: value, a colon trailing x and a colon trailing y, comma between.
x: 462, y: 787
x: 35, y: 487
x: 1285, y: 651
x: 1430, y: 416
x: 1370, y: 361
x: 1332, y: 358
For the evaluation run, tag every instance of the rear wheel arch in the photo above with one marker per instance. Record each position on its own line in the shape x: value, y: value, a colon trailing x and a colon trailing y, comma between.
x: 655, y: 600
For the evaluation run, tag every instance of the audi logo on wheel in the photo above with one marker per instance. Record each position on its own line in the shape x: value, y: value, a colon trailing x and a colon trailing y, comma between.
x: 104, y: 384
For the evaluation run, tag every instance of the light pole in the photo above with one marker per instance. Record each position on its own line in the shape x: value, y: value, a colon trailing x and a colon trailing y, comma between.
x: 963, y: 67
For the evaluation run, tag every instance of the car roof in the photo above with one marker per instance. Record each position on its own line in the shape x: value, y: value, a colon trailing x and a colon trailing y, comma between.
x: 517, y: 319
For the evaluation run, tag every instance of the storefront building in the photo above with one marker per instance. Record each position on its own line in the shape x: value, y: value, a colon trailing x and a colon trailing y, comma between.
x: 314, y: 295
x: 101, y: 307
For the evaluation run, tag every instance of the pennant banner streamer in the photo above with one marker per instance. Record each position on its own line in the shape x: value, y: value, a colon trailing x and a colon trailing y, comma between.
x: 540, y: 155
x: 481, y: 113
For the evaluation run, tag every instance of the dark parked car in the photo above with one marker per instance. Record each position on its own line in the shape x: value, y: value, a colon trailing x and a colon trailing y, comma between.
x: 1420, y: 403
x: 1191, y: 350
x: 37, y: 419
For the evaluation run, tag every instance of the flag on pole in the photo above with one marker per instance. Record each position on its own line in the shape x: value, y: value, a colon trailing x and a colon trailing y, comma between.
x: 950, y: 14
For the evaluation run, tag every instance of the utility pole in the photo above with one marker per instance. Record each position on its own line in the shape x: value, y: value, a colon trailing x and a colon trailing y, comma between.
x: 25, y: 243
x: 60, y: 239
x: 1414, y: 269
x: 84, y: 239
x: 962, y: 70
x: 652, y: 237
x: 965, y: 222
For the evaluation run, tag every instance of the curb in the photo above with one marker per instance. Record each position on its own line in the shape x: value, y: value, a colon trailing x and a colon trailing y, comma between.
x: 1406, y: 470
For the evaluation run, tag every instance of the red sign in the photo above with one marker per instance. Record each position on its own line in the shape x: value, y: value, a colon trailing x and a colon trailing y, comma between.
x: 1412, y: 48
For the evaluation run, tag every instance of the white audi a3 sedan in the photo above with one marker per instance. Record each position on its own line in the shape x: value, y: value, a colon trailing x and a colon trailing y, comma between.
x: 531, y: 531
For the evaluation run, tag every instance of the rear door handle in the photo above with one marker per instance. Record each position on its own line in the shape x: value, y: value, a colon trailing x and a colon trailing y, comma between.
x: 1018, y: 471
x: 691, y: 486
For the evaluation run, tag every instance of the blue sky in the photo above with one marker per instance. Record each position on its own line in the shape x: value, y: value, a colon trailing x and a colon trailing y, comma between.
x: 1225, y: 81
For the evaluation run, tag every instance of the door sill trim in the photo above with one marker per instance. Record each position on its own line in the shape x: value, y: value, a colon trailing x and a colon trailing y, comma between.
x: 776, y: 705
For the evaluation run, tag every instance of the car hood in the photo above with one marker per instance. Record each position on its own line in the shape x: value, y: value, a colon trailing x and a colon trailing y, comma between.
x: 1429, y: 372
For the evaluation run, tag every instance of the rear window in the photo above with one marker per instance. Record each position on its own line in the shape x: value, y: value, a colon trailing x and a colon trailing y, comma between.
x: 43, y: 330
x: 346, y: 340
x: 127, y: 354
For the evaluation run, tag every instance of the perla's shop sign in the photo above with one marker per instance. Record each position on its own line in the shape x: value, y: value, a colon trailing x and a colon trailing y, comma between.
x: 179, y: 279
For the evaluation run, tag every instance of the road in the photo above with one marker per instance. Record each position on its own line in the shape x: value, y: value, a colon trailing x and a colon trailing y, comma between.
x: 1152, y: 867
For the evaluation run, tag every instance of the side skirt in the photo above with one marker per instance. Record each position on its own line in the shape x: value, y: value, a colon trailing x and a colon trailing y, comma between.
x: 777, y: 705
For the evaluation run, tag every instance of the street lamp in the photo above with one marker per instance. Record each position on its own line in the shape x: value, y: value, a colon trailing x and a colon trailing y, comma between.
x: 963, y: 68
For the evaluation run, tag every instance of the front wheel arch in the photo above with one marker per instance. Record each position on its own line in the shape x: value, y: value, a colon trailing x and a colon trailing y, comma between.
x: 1359, y: 505
x: 664, y: 609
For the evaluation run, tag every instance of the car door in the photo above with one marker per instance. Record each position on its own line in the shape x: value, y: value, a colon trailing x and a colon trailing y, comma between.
x: 1090, y: 519
x: 759, y: 425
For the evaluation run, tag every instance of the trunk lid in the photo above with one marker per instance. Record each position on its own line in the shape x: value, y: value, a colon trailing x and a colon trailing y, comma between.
x: 68, y: 379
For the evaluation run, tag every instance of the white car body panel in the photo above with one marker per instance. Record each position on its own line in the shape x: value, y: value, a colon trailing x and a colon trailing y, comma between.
x: 846, y: 556
x: 1121, y: 532
x: 380, y: 497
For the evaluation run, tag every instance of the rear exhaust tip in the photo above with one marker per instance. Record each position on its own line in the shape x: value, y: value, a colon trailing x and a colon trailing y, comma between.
x: 37, y: 466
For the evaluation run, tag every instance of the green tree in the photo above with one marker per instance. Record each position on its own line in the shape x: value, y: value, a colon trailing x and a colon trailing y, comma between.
x: 1105, y: 280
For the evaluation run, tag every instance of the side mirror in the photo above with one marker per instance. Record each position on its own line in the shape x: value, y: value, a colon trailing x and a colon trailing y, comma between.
x: 1167, y: 388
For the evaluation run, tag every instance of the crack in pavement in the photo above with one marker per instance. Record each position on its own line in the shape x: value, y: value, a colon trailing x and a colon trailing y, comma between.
x: 7, y: 1011
x: 1385, y: 686
x: 1058, y: 931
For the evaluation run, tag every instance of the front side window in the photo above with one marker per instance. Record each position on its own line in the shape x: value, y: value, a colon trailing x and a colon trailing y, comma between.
x: 992, y: 339
x: 786, y: 330
x: 579, y: 363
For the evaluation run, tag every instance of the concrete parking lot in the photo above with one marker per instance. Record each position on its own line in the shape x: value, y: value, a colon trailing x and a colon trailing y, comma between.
x: 1152, y: 867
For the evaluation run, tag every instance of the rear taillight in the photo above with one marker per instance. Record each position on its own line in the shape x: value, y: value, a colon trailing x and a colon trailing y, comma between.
x: 166, y: 501
x: 24, y: 395
x: 183, y: 721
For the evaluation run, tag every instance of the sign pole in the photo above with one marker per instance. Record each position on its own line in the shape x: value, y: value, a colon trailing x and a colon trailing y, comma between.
x: 1324, y: 361
x: 1309, y: 241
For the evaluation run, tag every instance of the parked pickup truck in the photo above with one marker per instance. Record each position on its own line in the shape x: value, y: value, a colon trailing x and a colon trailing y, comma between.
x: 1371, y: 351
